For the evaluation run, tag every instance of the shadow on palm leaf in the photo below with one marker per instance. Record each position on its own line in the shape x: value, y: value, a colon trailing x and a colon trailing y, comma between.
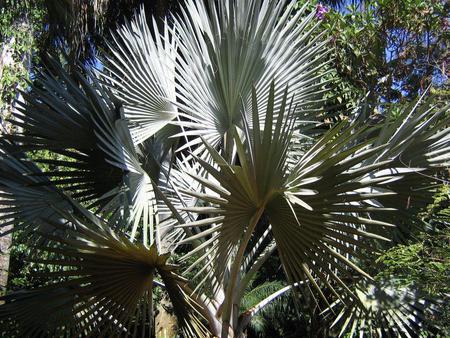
x: 101, y: 284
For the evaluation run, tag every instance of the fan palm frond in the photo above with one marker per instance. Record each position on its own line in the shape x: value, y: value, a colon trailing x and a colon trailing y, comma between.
x: 420, y: 145
x: 103, y: 284
x: 56, y: 115
x: 142, y: 72
x: 25, y: 197
x: 101, y: 164
x: 194, y: 137
x: 383, y: 309
x: 228, y: 47
x: 312, y: 209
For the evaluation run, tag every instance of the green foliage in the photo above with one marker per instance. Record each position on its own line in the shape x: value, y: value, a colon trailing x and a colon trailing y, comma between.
x: 21, y: 26
x: 17, y: 19
x: 22, y: 268
x: 425, y: 263
x: 425, y: 260
x: 392, y: 49
x: 20, y: 276
x: 255, y: 294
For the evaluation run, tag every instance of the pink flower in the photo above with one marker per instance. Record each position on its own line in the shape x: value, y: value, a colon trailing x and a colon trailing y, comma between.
x: 321, y: 10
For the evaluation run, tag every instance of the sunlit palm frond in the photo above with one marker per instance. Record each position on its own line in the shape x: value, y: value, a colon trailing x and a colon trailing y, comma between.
x: 141, y: 69
x: 114, y: 139
x: 101, y: 164
x: 228, y: 47
x: 238, y: 194
x: 194, y: 137
x: 319, y: 209
x: 319, y: 220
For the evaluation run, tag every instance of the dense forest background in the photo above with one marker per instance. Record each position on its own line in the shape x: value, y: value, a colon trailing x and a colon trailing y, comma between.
x: 387, y: 53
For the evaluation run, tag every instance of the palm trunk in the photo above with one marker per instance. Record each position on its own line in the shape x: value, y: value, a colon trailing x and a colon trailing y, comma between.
x: 165, y: 323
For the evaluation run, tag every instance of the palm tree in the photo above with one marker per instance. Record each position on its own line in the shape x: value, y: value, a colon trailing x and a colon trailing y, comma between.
x: 203, y: 142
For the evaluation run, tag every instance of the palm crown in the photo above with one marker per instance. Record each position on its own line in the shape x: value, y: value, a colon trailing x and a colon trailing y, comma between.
x: 205, y: 140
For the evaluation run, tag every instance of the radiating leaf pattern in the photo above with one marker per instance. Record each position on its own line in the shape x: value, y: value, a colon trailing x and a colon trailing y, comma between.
x: 25, y: 199
x: 321, y: 210
x: 205, y: 139
x: 383, y: 309
x: 228, y: 47
x: 101, y: 165
x: 142, y: 70
x: 102, y: 285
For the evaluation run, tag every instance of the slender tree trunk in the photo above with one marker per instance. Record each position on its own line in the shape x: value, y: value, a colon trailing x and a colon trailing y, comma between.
x: 5, y: 244
x: 23, y: 62
x: 6, y: 240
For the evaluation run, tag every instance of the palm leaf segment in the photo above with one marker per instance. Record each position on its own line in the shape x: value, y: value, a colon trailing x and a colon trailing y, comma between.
x: 101, y: 160
x: 383, y: 309
x: 227, y: 47
x: 319, y: 210
x: 84, y: 122
x: 208, y: 62
x: 141, y: 69
x: 420, y: 138
x: 320, y: 203
x: 104, y: 286
x: 25, y: 198
x: 57, y: 116
x: 242, y: 191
